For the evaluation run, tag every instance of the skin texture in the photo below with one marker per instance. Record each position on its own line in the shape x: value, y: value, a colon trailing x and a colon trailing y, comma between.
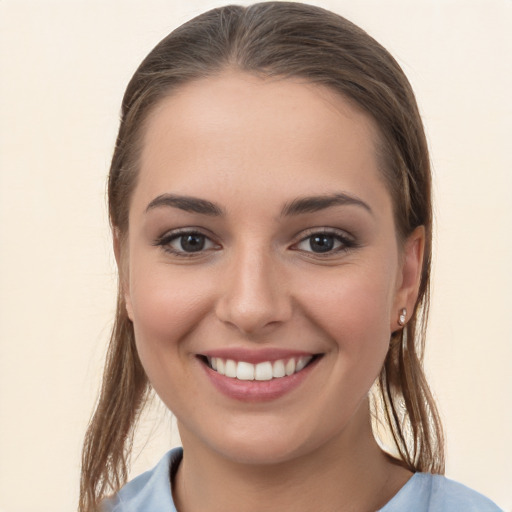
x: 252, y: 147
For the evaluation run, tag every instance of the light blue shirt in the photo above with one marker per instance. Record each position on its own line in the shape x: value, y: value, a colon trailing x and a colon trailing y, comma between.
x: 151, y: 492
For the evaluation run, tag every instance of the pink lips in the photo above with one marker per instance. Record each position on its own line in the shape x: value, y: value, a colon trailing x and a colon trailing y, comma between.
x: 254, y: 390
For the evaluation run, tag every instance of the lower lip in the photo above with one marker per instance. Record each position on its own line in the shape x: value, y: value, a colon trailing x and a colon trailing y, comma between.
x: 257, y: 390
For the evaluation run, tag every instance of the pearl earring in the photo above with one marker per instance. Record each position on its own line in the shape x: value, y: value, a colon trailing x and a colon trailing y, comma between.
x: 402, y: 317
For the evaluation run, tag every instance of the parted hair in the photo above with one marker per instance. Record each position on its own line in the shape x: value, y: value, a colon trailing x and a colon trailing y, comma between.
x: 281, y: 40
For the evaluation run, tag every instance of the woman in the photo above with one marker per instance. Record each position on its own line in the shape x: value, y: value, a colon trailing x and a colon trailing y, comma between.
x: 270, y: 201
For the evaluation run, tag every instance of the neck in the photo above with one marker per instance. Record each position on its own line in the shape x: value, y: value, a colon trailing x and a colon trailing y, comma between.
x: 348, y: 473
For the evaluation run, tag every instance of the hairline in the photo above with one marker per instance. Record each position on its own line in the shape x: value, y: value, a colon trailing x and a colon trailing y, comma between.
x: 381, y: 152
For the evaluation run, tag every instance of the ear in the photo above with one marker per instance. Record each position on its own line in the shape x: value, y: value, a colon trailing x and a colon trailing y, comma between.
x: 123, y: 270
x: 409, y: 276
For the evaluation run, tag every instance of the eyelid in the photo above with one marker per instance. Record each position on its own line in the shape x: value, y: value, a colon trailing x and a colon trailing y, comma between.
x: 347, y: 240
x: 164, y: 241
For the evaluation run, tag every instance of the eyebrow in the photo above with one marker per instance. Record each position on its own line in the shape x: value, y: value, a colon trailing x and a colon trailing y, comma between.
x: 186, y: 203
x: 313, y: 204
x: 301, y: 205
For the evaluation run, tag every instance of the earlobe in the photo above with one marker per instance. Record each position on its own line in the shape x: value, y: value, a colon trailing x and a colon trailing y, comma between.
x: 409, y: 278
x: 122, y: 269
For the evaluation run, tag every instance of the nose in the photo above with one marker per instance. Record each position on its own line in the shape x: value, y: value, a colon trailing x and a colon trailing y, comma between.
x: 254, y: 295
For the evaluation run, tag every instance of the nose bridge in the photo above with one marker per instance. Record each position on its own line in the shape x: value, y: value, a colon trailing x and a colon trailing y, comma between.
x: 253, y: 296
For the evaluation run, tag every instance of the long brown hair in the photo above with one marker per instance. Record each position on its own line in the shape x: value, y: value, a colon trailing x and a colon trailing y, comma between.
x: 283, y: 40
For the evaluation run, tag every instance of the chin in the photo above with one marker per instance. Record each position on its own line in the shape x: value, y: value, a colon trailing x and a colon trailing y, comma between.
x: 260, y: 452
x: 267, y: 440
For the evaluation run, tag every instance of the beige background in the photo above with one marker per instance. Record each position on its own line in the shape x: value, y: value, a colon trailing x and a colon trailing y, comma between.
x: 63, y: 69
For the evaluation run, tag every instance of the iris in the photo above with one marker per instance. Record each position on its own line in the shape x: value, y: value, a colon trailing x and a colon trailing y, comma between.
x: 321, y: 243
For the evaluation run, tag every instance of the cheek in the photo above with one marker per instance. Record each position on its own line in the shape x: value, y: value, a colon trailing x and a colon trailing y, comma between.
x: 349, y: 307
x: 353, y: 307
x: 167, y: 304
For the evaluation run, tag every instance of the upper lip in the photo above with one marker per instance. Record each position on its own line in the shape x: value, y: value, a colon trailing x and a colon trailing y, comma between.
x: 255, y: 356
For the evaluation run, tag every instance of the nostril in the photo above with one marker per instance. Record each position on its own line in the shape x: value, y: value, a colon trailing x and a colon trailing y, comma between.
x: 252, y: 316
x: 253, y: 297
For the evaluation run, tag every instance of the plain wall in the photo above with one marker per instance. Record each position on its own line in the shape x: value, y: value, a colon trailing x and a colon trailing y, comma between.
x: 63, y: 68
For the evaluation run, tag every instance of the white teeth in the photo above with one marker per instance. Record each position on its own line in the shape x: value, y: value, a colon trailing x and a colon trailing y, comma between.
x: 278, y: 369
x: 290, y: 367
x: 265, y: 370
x: 301, y: 363
x: 230, y: 368
x: 245, y: 371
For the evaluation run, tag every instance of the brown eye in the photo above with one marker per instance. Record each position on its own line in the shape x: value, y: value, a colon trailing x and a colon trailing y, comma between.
x: 321, y: 242
x: 185, y: 243
x: 192, y: 242
x: 324, y: 242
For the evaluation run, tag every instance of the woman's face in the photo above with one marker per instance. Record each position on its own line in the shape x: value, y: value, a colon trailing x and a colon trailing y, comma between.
x: 261, y: 240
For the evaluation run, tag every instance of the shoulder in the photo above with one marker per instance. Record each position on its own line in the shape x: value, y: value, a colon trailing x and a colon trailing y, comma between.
x: 150, y: 490
x: 429, y: 493
x: 452, y: 494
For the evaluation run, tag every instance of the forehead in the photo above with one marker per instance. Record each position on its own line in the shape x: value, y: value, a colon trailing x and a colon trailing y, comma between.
x: 238, y: 130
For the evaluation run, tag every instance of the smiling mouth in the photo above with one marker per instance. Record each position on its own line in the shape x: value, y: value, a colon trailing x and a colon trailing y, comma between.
x: 263, y: 371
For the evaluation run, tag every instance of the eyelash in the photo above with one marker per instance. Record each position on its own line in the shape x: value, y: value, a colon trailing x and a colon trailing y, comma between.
x: 166, y: 239
x: 345, y: 242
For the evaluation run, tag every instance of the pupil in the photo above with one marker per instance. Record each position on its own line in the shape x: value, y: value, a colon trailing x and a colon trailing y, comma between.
x: 192, y: 243
x: 321, y: 243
